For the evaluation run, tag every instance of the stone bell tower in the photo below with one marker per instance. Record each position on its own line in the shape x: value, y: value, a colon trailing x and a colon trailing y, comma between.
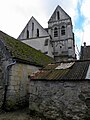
x: 62, y: 37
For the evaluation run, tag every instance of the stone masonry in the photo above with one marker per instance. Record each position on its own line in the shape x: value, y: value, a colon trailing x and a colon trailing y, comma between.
x: 1, y: 83
x: 60, y: 100
x: 1, y: 90
x: 18, y: 85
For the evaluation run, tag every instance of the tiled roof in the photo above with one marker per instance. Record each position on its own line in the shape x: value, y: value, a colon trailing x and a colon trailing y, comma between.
x: 77, y: 70
x: 24, y: 52
x: 85, y: 52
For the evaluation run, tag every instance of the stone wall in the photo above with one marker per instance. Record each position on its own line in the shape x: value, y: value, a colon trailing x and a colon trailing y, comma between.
x: 1, y: 82
x: 5, y: 59
x: 2, y: 71
x: 18, y: 85
x: 60, y: 100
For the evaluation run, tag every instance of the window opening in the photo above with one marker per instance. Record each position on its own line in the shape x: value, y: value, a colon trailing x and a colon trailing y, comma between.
x: 37, y: 32
x: 63, y: 30
x: 46, y: 42
x: 58, y: 16
x: 27, y: 34
x: 32, y: 26
x: 55, y: 32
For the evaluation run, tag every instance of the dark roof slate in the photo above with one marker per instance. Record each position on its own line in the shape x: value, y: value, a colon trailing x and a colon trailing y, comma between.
x: 78, y: 70
x: 23, y: 52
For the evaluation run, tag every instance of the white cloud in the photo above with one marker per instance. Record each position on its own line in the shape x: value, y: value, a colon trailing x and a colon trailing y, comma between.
x: 87, y: 33
x: 85, y: 8
x: 14, y: 14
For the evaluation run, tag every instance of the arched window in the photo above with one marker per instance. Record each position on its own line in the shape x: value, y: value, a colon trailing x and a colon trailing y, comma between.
x: 58, y: 16
x: 37, y: 32
x: 63, y: 30
x: 55, y: 32
x: 27, y: 34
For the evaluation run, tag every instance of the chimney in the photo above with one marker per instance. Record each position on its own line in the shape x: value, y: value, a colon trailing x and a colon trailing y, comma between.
x: 84, y: 44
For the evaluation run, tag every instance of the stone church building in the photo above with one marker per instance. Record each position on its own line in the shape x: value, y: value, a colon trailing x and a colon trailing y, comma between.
x: 56, y: 41
x: 54, y: 91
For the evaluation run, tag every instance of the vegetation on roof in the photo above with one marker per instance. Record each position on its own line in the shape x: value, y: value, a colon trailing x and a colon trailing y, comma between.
x: 24, y: 52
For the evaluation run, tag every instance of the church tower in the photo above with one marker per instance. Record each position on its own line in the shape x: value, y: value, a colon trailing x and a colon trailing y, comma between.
x: 61, y: 33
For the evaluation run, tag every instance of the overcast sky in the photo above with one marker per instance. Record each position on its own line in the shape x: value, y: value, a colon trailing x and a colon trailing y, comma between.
x: 14, y: 15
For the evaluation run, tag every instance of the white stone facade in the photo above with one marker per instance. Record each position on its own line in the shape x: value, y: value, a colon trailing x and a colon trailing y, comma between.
x: 56, y: 41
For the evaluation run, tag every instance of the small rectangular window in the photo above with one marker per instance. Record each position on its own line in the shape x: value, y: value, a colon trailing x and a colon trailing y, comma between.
x: 58, y: 16
x: 46, y: 42
x: 37, y: 32
x: 32, y: 26
x: 27, y: 34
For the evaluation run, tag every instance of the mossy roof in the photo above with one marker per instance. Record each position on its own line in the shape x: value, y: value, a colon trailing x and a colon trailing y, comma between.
x: 23, y: 52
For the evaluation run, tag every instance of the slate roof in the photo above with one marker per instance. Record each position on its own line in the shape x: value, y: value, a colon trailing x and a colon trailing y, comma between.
x: 23, y: 52
x: 77, y: 70
x: 85, y: 52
